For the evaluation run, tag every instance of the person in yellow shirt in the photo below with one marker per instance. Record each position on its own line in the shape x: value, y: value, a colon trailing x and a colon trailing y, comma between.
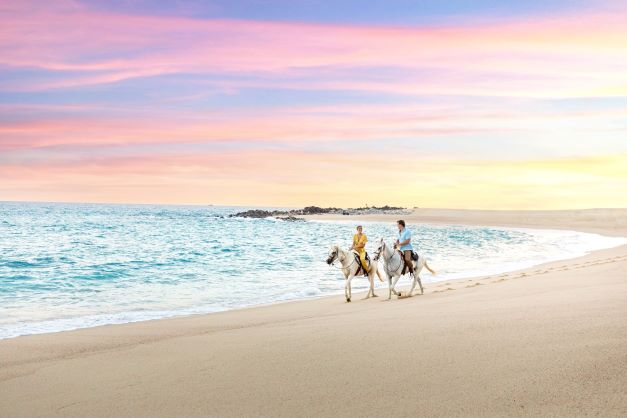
x: 359, y: 245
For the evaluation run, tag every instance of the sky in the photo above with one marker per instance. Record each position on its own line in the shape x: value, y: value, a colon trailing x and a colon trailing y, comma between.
x: 461, y: 104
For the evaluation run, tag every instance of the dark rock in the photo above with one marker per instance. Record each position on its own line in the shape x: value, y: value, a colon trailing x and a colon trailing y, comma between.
x: 258, y: 213
x: 290, y: 218
x: 292, y: 215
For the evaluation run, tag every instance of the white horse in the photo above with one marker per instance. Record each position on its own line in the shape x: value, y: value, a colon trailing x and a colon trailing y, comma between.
x: 393, y: 264
x: 350, y: 265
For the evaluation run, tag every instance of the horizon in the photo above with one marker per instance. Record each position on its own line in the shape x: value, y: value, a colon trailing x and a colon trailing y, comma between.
x: 413, y: 208
x: 277, y: 104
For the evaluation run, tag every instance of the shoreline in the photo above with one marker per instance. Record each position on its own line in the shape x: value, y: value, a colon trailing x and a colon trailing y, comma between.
x: 472, y: 276
x: 511, y: 344
x: 609, y: 222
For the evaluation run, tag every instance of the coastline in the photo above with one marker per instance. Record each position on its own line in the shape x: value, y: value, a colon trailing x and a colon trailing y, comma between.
x: 609, y: 222
x: 353, y: 356
x: 523, y: 259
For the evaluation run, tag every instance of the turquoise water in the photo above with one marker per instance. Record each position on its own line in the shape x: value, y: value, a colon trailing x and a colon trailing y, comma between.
x: 67, y: 266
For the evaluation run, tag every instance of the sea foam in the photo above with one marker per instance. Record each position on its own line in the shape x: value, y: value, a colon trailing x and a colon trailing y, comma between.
x: 68, y: 266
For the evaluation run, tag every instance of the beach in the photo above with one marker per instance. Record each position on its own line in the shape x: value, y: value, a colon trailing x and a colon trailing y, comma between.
x: 544, y: 341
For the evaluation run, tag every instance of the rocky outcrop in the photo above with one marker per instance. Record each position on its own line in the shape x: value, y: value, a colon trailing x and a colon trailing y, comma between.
x: 293, y: 215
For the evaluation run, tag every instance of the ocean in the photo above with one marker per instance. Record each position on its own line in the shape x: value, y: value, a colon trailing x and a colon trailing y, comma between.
x: 68, y: 266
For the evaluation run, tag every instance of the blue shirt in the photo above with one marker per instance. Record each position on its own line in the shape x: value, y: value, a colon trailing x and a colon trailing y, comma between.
x: 404, y: 236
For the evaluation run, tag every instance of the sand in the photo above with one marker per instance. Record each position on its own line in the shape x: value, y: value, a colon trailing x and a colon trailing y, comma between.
x: 546, y: 341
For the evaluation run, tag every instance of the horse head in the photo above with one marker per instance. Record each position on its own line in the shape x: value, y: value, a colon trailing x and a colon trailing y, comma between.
x: 334, y: 253
x: 379, y: 250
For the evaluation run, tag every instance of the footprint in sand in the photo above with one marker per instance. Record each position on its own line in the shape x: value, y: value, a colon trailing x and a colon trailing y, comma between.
x: 499, y: 280
x: 473, y: 285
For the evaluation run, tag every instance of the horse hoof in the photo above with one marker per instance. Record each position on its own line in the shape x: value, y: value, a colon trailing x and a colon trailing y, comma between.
x: 348, y: 300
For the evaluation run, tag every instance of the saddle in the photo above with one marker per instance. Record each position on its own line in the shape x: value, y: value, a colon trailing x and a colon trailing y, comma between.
x: 414, y: 257
x: 361, y: 269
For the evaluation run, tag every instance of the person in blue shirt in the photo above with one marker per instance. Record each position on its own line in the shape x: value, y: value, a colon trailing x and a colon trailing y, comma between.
x: 404, y: 244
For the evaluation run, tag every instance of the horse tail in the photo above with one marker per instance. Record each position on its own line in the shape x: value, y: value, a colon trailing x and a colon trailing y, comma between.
x: 430, y: 269
x: 379, y: 274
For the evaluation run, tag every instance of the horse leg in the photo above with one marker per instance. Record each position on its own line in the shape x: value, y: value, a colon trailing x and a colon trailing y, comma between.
x: 348, y: 284
x: 371, y: 278
x: 371, y: 288
x: 389, y: 287
x: 413, y: 286
x: 394, y: 281
x: 417, y: 277
x: 369, y: 291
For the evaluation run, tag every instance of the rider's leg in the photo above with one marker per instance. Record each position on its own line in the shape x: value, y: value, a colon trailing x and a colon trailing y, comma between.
x: 408, y: 261
x: 364, y: 265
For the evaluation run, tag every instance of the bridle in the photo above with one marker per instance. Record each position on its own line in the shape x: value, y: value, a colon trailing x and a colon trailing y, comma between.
x: 336, y: 256
x: 377, y: 255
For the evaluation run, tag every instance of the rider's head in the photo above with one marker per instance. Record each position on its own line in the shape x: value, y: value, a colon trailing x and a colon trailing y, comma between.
x: 401, y: 224
x: 359, y: 229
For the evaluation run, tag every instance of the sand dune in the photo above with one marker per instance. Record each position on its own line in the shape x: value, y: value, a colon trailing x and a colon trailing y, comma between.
x: 545, y: 341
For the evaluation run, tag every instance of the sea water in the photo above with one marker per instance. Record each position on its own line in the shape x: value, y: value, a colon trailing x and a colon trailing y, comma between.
x: 68, y: 266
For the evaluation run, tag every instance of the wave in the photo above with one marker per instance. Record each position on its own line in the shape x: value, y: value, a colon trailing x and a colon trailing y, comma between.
x: 160, y: 263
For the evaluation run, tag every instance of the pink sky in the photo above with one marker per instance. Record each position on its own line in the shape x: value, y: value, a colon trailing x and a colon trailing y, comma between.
x: 142, y: 107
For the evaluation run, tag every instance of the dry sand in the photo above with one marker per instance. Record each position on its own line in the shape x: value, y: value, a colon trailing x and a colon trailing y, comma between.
x: 546, y: 341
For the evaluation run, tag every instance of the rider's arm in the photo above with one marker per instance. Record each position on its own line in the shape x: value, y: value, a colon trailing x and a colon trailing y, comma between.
x: 408, y: 240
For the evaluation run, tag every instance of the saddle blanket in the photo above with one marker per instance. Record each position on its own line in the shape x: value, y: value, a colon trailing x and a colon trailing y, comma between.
x: 360, y: 270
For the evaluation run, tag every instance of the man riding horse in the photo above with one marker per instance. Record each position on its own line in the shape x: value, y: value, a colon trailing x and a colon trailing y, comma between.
x: 404, y: 244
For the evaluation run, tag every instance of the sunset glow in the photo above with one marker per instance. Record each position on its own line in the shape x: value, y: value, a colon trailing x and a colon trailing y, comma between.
x: 437, y: 106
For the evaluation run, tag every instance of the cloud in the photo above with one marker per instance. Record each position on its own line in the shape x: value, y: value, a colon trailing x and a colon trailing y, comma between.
x: 559, y: 56
x: 293, y: 178
x: 104, y: 106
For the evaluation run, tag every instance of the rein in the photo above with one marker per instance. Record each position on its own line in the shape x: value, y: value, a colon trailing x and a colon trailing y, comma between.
x: 385, y: 265
x: 337, y: 258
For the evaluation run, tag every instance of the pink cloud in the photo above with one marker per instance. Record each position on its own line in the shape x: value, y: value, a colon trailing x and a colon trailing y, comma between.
x: 76, y: 128
x: 542, y: 57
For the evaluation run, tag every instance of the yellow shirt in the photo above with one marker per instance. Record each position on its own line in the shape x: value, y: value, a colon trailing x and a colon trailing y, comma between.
x: 358, y: 241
